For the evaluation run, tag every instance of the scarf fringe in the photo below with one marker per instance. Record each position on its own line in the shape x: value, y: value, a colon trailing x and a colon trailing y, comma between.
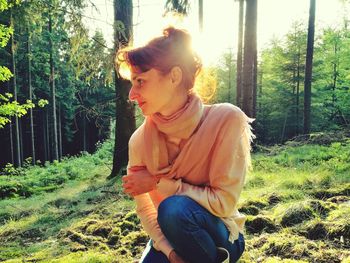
x: 248, y: 138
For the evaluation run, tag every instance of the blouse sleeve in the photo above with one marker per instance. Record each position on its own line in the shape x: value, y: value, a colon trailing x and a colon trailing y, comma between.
x: 228, y: 166
x: 145, y: 208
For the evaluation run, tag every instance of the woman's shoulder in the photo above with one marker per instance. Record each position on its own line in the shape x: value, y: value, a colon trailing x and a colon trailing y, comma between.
x: 137, y: 137
x: 225, y: 111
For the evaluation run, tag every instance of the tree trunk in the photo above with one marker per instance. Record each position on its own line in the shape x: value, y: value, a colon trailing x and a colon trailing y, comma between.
x: 11, y: 131
x: 47, y: 133
x: 260, y: 86
x: 250, y: 59
x: 18, y: 159
x: 53, y: 94
x: 308, y: 68
x: 297, y: 92
x: 125, y: 117
x: 84, y: 131
x: 335, y: 74
x: 31, y: 118
x: 20, y: 128
x: 200, y: 15
x: 60, y: 133
x: 239, y: 55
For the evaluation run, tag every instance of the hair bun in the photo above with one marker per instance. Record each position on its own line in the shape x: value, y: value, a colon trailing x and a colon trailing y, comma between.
x: 178, y: 35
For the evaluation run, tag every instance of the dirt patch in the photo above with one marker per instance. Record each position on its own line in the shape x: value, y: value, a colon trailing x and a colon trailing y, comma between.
x: 260, y: 224
x: 274, y: 199
x: 256, y: 203
x: 249, y: 210
x: 288, y: 246
x: 63, y: 202
x: 297, y: 214
x: 319, y: 207
x: 339, y: 199
x: 329, y: 193
x: 317, y: 231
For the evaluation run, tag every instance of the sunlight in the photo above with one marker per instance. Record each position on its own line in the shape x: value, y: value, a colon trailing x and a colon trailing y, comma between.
x: 220, y: 22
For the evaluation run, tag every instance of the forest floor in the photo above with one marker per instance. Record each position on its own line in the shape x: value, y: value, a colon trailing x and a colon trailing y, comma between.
x: 297, y: 202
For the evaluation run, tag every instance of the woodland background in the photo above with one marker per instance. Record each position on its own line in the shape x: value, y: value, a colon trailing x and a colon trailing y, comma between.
x: 65, y: 122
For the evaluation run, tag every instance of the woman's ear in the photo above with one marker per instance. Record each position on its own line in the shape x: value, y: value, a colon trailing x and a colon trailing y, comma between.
x: 176, y: 76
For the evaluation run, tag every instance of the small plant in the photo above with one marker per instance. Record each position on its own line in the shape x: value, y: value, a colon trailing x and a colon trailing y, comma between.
x: 10, y: 170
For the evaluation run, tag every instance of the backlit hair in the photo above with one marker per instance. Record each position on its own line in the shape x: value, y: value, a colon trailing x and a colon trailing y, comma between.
x: 173, y: 48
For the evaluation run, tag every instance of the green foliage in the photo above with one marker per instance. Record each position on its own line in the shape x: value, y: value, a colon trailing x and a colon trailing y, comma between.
x: 88, y: 218
x: 37, y: 180
x: 5, y: 73
x: 281, y: 84
x: 42, y: 103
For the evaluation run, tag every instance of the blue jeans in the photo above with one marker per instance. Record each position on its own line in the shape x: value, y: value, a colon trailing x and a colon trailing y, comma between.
x: 193, y: 232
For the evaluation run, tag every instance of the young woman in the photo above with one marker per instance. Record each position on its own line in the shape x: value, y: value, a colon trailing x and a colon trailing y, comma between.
x: 187, y: 161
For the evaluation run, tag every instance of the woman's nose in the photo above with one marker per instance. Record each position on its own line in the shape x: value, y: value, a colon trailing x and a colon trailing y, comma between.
x: 133, y: 94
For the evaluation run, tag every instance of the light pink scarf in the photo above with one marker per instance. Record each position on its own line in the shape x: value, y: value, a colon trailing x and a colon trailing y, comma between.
x: 181, y: 125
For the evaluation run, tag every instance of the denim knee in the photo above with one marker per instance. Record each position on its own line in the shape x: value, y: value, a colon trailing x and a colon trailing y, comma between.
x: 172, y: 212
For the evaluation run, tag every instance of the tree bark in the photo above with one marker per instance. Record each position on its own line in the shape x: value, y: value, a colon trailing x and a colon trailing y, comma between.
x: 239, y: 55
x: 250, y: 59
x: 18, y: 159
x: 47, y: 137
x: 53, y: 94
x: 83, y: 115
x: 298, y: 92
x: 200, y: 15
x: 31, y: 118
x: 308, y: 68
x: 60, y: 144
x: 125, y: 117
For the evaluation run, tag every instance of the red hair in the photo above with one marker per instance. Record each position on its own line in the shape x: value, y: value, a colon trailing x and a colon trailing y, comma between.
x: 163, y: 53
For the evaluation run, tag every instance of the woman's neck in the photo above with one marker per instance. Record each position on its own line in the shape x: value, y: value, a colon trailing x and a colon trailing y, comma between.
x: 178, y: 103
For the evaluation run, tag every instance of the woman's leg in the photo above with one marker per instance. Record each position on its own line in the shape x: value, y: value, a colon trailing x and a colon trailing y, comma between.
x: 194, y: 232
x: 150, y: 255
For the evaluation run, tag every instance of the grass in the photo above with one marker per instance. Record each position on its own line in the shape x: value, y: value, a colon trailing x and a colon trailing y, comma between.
x: 297, y: 202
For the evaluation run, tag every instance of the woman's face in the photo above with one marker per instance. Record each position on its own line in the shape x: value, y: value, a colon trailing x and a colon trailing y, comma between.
x: 153, y: 91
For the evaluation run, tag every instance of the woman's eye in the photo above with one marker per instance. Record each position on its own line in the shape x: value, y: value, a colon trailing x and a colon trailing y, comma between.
x: 140, y: 82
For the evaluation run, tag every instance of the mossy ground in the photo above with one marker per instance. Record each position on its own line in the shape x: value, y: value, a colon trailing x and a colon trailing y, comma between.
x: 297, y: 202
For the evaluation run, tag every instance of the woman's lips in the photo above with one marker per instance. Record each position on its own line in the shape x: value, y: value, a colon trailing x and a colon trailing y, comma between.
x: 141, y: 103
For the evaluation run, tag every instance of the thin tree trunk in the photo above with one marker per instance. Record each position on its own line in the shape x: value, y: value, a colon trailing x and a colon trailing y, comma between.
x: 239, y: 55
x: 84, y: 131
x: 18, y: 159
x: 11, y: 132
x: 200, y: 15
x: 47, y: 129
x: 44, y: 136
x: 60, y: 132
x: 31, y: 118
x: 20, y: 128
x: 259, y: 85
x: 53, y: 94
x: 11, y: 143
x: 298, y: 92
x: 250, y: 59
x: 125, y: 116
x: 308, y: 67
x: 335, y: 73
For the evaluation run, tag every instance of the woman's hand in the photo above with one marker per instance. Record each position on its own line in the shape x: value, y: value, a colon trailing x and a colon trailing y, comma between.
x: 139, y: 181
x: 175, y: 258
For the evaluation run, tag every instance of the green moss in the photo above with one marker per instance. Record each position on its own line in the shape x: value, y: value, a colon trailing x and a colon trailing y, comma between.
x: 296, y: 214
x: 259, y: 224
x: 100, y: 228
x: 277, y: 259
x: 288, y: 246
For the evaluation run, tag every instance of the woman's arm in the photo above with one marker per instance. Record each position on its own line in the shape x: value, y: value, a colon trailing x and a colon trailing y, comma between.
x: 148, y: 217
x: 145, y: 208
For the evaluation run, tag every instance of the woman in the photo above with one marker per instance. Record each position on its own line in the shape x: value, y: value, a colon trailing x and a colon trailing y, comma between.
x: 187, y: 161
